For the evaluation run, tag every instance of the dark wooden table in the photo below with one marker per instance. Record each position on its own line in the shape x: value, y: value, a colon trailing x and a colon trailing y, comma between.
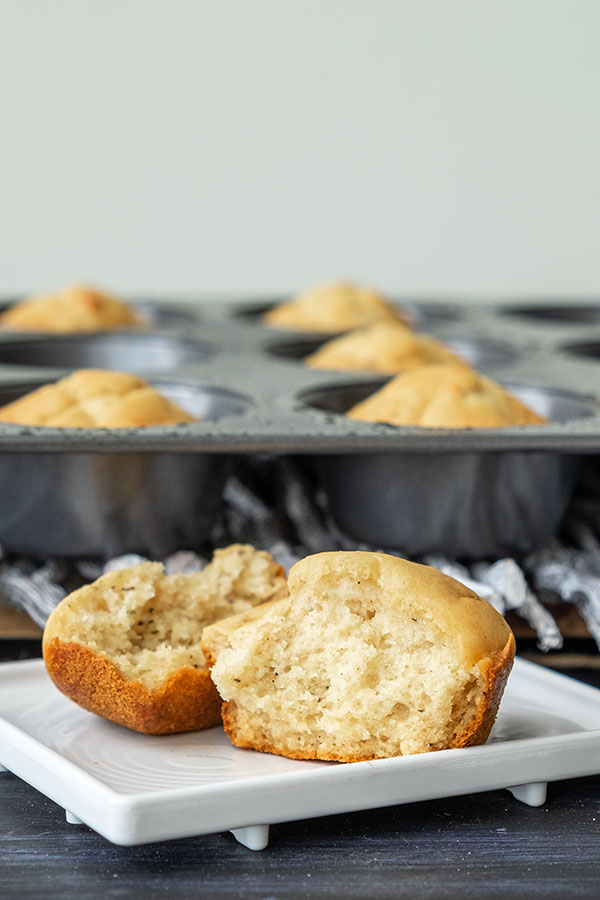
x: 481, y: 846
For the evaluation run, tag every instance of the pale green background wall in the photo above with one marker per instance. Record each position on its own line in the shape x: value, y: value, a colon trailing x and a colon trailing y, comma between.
x: 247, y: 145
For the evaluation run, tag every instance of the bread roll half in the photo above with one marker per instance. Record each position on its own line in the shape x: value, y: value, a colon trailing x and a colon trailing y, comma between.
x: 127, y: 647
x: 370, y: 656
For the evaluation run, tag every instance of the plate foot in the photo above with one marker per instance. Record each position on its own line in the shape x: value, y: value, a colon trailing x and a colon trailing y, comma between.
x: 533, y: 794
x: 2, y: 768
x: 254, y: 837
x: 72, y: 819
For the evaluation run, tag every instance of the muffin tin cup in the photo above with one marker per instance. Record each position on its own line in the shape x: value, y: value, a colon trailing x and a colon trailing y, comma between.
x: 556, y: 314
x: 466, y: 492
x: 99, y: 504
x: 120, y: 351
x: 582, y: 350
x: 470, y: 505
x: 464, y: 505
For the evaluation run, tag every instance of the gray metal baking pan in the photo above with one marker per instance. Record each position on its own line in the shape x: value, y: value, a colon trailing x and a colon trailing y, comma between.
x: 88, y: 504
x: 125, y: 351
x: 511, y: 475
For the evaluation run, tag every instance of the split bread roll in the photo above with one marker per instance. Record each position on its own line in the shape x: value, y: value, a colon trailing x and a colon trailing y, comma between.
x: 370, y: 656
x: 330, y: 307
x: 444, y: 396
x: 385, y: 347
x: 72, y: 309
x: 127, y: 647
x: 95, y: 398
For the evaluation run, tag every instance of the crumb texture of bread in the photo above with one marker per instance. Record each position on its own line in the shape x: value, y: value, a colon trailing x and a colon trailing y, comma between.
x: 128, y: 646
x: 74, y: 308
x: 330, y: 307
x: 95, y: 398
x: 370, y: 656
x: 444, y: 396
x: 386, y: 347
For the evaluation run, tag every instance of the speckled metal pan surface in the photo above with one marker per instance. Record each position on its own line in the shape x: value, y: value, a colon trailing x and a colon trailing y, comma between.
x: 549, y: 357
x: 247, y: 383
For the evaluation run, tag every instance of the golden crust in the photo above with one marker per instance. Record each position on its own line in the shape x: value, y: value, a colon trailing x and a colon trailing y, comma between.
x: 496, y: 675
x: 186, y: 701
x: 95, y: 398
x: 332, y: 307
x: 385, y: 347
x: 247, y: 733
x: 444, y: 396
x: 72, y: 309
x: 455, y: 607
x: 179, y: 696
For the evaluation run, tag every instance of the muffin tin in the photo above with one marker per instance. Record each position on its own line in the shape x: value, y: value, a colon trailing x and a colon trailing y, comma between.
x: 102, y: 504
x: 468, y: 492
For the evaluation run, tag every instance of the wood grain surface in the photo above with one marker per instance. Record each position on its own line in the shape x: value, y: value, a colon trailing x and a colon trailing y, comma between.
x: 14, y: 623
x: 484, y: 845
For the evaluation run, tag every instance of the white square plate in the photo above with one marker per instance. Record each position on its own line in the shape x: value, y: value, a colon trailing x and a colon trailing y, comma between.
x: 135, y: 788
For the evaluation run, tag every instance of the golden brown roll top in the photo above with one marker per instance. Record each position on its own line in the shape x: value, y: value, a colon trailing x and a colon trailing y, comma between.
x: 444, y: 396
x: 387, y: 347
x: 331, y: 307
x: 74, y: 308
x: 95, y: 398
